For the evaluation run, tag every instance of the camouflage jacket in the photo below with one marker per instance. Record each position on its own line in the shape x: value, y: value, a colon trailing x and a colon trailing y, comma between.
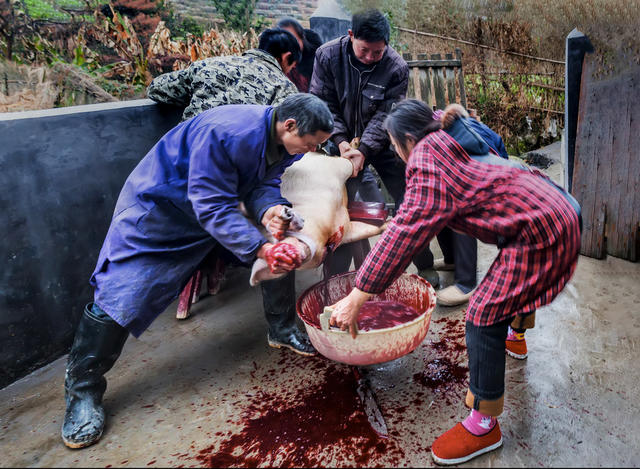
x: 255, y: 77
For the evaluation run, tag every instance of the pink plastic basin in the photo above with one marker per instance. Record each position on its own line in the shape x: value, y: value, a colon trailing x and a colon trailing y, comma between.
x: 369, y: 347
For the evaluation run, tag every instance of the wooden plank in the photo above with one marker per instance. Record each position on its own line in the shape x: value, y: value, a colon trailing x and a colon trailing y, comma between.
x: 463, y: 94
x: 603, y: 131
x: 424, y: 81
x: 633, y: 181
x: 585, y: 173
x: 413, y: 79
x: 407, y: 56
x: 438, y: 84
x: 434, y: 63
x: 450, y: 80
x: 603, y: 146
x: 617, y: 114
x: 432, y: 88
x: 608, y: 165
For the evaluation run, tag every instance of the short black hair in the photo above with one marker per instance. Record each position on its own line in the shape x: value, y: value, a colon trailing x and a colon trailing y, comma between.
x: 371, y: 26
x: 411, y: 117
x: 288, y: 22
x: 310, y: 113
x: 276, y: 42
x: 312, y: 41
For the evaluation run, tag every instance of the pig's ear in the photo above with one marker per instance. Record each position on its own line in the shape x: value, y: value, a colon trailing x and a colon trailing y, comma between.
x: 260, y: 271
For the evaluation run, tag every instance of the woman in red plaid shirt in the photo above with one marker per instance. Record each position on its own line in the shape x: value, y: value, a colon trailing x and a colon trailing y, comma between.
x: 535, y: 223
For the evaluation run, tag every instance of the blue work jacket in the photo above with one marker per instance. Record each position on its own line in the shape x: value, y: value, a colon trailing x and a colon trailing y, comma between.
x: 180, y: 201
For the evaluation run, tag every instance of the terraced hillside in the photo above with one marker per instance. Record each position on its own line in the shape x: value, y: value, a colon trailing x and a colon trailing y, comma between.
x: 203, y: 10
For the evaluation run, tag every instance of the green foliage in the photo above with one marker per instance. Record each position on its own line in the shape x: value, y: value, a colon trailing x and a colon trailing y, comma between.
x: 57, y: 11
x: 189, y: 26
x: 43, y: 10
x: 78, y: 56
x: 71, y: 4
x: 181, y: 26
x: 239, y: 14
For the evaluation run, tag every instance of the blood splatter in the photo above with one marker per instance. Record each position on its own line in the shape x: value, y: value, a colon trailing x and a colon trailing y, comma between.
x: 313, y: 426
x: 447, y: 373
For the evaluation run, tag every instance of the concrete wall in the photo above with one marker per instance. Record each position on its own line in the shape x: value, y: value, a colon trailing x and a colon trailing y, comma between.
x: 61, y: 171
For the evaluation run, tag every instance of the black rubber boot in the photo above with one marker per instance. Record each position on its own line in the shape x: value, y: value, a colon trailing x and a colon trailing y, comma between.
x: 293, y: 339
x: 96, y: 347
x: 279, y: 300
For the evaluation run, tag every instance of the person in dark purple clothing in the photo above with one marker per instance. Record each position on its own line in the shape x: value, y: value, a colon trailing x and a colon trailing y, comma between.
x: 181, y: 201
x: 360, y: 76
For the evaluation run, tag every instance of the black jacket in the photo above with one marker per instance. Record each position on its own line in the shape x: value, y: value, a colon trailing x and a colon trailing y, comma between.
x: 358, y: 100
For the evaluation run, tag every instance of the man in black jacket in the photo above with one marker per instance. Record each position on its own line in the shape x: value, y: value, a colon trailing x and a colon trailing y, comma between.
x: 360, y: 77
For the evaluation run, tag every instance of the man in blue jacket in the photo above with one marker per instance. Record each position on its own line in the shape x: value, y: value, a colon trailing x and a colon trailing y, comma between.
x: 178, y: 203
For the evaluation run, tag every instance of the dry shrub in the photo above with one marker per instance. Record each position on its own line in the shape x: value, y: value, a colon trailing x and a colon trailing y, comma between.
x: 41, y: 87
x: 162, y: 49
x: 30, y: 89
x: 611, y: 25
x: 504, y: 87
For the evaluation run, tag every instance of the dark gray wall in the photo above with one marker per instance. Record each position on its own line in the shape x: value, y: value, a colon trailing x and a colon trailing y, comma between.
x: 329, y: 28
x: 61, y: 171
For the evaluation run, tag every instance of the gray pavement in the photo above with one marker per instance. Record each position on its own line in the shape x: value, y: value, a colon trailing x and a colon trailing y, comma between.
x: 208, y: 391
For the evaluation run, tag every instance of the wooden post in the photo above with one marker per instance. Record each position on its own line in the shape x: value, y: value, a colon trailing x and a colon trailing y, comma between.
x: 577, y: 44
x: 463, y: 94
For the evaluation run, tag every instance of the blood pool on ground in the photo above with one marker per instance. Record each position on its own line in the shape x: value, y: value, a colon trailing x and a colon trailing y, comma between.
x: 383, y: 314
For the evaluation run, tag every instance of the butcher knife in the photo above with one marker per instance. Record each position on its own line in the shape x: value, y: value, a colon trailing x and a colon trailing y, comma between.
x: 370, y: 403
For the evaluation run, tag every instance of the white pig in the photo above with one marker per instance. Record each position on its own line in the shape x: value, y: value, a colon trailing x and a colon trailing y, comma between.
x: 315, y: 186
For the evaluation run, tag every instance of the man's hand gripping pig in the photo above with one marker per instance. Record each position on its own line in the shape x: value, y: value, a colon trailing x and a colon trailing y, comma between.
x: 284, y: 256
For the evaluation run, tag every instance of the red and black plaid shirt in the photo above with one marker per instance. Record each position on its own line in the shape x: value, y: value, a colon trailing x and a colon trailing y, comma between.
x: 519, y: 210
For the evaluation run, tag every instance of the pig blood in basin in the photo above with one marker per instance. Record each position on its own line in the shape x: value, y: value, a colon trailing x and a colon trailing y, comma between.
x: 370, y: 346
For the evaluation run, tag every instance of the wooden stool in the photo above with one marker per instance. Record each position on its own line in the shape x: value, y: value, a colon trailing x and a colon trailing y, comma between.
x: 213, y: 268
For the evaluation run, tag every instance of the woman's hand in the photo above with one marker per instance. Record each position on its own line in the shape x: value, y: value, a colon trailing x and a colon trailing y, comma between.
x: 345, y: 312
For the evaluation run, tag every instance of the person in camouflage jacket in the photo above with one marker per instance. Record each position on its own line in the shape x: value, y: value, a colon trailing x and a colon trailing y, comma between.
x: 256, y: 77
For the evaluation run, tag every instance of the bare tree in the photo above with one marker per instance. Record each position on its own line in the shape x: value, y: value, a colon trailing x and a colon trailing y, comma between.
x: 13, y: 23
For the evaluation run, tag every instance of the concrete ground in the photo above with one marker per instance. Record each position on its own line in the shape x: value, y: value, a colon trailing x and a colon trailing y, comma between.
x: 208, y: 391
